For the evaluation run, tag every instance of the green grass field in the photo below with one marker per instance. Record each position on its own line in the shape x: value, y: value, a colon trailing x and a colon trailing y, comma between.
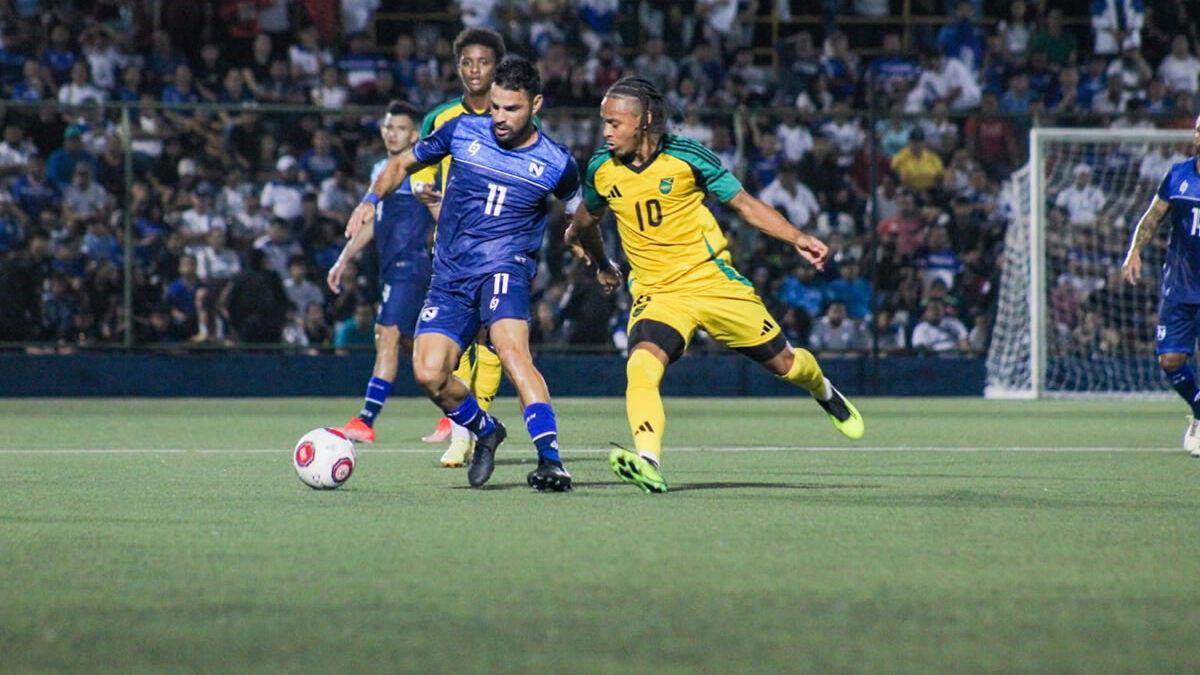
x: 960, y: 536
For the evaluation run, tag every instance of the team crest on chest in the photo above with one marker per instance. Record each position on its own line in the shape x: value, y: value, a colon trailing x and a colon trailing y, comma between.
x: 1183, y: 187
x: 536, y: 169
x: 665, y: 185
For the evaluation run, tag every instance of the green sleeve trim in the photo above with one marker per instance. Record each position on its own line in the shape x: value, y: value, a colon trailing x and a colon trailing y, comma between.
x: 715, y: 178
x: 430, y: 122
x: 594, y: 200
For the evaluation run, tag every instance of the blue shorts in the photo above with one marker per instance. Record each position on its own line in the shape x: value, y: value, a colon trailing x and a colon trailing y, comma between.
x: 401, y: 295
x: 459, y: 308
x: 1177, y: 327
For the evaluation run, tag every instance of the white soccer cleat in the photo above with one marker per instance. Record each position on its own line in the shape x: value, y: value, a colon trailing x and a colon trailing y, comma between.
x: 1191, y: 437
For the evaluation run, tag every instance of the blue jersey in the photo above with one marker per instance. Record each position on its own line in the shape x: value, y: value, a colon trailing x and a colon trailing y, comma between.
x: 495, y: 202
x: 1180, y: 188
x: 402, y: 226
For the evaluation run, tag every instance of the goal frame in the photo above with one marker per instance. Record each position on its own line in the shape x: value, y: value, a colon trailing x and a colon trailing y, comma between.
x: 1040, y: 138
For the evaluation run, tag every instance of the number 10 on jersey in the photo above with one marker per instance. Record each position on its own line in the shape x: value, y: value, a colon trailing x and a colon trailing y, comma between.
x: 653, y: 215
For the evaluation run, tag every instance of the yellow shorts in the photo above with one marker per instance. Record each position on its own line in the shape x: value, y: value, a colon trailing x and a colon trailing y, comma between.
x: 728, y: 309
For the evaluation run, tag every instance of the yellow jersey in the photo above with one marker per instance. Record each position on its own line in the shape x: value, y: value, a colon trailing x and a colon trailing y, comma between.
x: 672, y: 240
x: 918, y: 173
x: 436, y: 175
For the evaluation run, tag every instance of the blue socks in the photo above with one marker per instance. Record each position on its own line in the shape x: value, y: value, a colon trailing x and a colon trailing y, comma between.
x: 377, y: 393
x: 539, y: 420
x: 1184, y: 382
x: 469, y: 415
x: 543, y: 429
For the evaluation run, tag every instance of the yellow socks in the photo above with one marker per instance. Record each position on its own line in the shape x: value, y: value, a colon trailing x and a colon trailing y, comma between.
x: 643, y: 402
x: 806, y: 373
x: 487, y: 377
x: 466, y: 366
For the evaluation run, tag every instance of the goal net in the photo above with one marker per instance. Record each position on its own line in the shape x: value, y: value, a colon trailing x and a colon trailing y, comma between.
x: 1066, y: 325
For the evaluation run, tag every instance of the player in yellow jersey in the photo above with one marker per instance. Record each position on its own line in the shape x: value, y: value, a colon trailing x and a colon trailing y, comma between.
x: 477, y: 51
x: 681, y: 277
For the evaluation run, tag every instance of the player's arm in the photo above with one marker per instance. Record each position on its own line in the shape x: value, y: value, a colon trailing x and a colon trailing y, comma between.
x: 357, y: 242
x: 767, y: 220
x: 584, y: 238
x: 1131, y: 269
x: 394, y: 172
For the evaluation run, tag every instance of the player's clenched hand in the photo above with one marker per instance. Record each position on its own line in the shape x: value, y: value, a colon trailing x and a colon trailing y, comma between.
x: 1132, y: 270
x: 811, y: 249
x: 609, y: 277
x: 363, y: 214
x: 571, y: 239
x: 427, y: 195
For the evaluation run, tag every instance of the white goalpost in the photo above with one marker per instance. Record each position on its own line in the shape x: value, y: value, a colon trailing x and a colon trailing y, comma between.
x: 1066, y: 326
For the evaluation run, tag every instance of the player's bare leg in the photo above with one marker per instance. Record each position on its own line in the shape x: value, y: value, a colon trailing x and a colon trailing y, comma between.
x: 1175, y: 367
x: 800, y: 367
x: 434, y: 358
x: 389, y: 342
x: 445, y: 428
x: 511, y: 339
x: 480, y: 369
x: 461, y: 440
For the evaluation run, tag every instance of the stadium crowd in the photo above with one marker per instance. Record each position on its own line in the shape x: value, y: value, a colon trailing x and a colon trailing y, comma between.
x: 237, y: 213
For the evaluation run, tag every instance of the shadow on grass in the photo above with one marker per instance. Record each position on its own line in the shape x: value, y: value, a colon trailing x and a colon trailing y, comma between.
x: 568, y: 460
x: 684, y: 487
x: 733, y: 485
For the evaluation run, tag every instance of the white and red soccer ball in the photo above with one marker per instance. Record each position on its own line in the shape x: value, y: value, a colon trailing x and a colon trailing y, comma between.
x: 324, y: 458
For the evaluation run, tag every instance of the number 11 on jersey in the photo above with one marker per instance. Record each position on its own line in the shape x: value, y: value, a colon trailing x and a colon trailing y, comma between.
x: 495, y: 199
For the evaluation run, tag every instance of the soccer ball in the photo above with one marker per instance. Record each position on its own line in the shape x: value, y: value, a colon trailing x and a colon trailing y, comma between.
x: 324, y: 459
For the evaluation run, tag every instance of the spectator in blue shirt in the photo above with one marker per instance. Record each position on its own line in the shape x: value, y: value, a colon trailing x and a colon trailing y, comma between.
x: 61, y: 166
x: 937, y: 260
x: 358, y: 330
x: 1017, y: 98
x: 163, y: 59
x: 892, y: 72
x: 321, y: 162
x: 802, y: 290
x: 58, y: 56
x: 961, y: 39
x: 404, y: 63
x: 181, y: 90
x: 1093, y: 82
x: 853, y: 290
x: 33, y: 191
x: 181, y: 298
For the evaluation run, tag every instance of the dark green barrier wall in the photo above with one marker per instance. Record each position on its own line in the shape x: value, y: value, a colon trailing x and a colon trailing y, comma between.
x: 234, y: 374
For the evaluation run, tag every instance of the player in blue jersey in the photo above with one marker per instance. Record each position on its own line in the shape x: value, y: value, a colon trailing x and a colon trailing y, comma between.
x: 1177, y: 200
x: 492, y: 221
x: 401, y: 229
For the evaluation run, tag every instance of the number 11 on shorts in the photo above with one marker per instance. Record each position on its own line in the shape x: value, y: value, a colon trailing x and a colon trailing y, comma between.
x: 500, y: 283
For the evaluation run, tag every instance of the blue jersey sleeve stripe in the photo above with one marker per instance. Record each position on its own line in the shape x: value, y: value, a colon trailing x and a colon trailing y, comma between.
x: 435, y: 146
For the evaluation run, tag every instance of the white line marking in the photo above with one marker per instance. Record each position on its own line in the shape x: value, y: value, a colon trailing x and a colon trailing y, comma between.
x: 569, y: 451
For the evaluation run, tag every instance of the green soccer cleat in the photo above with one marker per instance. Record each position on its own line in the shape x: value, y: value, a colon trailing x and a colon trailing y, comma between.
x: 633, y: 468
x: 844, y: 415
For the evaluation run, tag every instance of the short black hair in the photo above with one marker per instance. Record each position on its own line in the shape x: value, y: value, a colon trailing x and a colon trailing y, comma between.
x: 649, y: 96
x: 482, y: 37
x: 517, y: 73
x: 398, y: 107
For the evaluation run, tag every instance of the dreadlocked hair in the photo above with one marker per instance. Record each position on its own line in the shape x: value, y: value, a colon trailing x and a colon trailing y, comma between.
x: 654, y: 106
